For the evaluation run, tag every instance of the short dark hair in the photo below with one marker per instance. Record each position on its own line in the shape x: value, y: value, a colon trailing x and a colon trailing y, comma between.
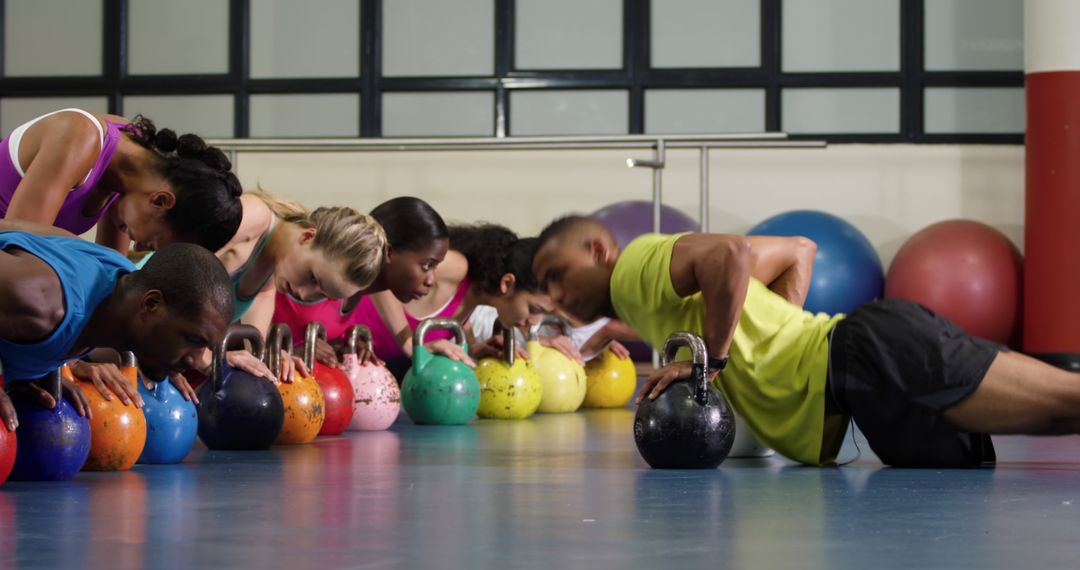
x: 207, y: 211
x: 560, y: 227
x: 190, y: 278
x: 411, y: 224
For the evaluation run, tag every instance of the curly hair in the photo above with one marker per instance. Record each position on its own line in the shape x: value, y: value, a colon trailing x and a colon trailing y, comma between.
x: 207, y: 211
x: 493, y: 251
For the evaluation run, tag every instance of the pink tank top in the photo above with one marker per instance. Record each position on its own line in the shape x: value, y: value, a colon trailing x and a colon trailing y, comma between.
x: 297, y: 315
x: 70, y: 217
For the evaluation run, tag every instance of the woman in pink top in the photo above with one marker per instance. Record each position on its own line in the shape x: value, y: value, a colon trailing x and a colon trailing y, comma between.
x: 418, y: 242
x: 72, y: 169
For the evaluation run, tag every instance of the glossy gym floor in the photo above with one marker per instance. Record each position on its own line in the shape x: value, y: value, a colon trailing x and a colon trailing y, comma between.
x: 553, y: 491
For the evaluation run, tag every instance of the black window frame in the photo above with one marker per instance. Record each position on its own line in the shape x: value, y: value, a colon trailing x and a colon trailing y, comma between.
x: 635, y: 77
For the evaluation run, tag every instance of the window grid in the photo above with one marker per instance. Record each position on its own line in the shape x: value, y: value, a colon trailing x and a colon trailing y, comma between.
x: 635, y: 76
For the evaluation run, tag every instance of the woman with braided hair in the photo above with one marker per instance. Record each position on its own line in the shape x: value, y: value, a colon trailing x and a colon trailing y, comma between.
x: 74, y: 170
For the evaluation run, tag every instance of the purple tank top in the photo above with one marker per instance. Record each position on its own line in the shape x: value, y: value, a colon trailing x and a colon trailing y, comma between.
x: 70, y: 217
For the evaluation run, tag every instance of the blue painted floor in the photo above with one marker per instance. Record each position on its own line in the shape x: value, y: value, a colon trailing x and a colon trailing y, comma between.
x: 565, y: 491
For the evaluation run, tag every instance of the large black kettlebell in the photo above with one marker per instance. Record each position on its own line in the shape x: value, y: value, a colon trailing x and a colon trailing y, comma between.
x: 238, y: 410
x: 689, y: 426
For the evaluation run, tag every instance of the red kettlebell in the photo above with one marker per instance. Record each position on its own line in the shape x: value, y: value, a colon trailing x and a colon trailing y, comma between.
x: 336, y: 388
x: 7, y: 447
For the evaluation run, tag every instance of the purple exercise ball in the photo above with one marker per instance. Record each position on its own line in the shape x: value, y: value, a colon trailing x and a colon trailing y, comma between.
x: 632, y: 218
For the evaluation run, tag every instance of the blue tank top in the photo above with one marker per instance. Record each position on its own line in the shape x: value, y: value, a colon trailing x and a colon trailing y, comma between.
x: 88, y: 273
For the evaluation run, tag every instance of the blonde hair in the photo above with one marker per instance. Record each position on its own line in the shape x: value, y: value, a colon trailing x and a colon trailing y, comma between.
x: 340, y: 232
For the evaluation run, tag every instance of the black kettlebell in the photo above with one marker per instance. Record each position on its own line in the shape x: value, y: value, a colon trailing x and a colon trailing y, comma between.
x: 238, y: 410
x: 689, y: 426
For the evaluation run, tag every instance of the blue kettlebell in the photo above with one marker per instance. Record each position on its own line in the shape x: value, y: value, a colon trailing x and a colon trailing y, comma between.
x: 171, y: 423
x: 52, y: 444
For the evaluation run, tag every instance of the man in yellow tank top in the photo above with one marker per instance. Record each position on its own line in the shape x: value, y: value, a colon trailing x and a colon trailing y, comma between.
x: 921, y: 390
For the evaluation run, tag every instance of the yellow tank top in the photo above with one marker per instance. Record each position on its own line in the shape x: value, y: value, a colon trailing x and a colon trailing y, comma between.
x: 775, y: 378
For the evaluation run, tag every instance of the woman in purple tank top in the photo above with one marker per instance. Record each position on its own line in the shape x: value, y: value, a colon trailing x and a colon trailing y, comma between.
x: 72, y: 169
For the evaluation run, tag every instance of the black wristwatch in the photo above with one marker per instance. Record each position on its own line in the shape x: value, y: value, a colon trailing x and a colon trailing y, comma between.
x: 717, y: 363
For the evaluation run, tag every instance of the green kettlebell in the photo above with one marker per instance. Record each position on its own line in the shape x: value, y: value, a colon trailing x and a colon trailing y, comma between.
x: 438, y: 390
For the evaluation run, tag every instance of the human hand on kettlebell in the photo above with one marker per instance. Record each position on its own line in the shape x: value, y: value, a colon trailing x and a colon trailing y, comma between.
x: 451, y: 350
x: 290, y: 364
x: 365, y: 355
x: 664, y: 376
x: 563, y: 344
x: 179, y: 381
x: 493, y: 348
x: 7, y: 412
x: 326, y: 354
x: 245, y: 361
x: 619, y: 350
x: 107, y: 379
x: 41, y: 391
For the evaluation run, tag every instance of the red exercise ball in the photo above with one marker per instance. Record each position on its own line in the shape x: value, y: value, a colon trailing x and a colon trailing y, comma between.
x: 967, y: 272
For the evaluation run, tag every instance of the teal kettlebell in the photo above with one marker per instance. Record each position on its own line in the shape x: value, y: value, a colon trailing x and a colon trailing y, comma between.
x: 438, y: 390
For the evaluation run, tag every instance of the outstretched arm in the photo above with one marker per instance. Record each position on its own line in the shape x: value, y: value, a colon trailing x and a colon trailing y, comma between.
x: 719, y: 266
x: 58, y: 152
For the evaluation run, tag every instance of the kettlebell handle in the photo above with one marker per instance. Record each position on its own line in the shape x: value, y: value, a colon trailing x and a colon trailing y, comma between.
x: 421, y: 356
x: 235, y: 332
x: 509, y: 345
x: 438, y: 324
x: 355, y: 335
x: 554, y: 321
x: 279, y: 339
x: 699, y: 374
x: 314, y: 332
x: 128, y: 360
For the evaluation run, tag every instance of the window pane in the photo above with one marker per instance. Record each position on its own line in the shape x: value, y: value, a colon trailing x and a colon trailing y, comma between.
x: 844, y: 110
x: 170, y: 37
x: 974, y: 110
x: 706, y: 33
x: 841, y: 35
x: 704, y: 110
x: 563, y: 112
x: 438, y: 114
x: 438, y: 38
x: 16, y: 111
x: 974, y: 34
x: 204, y: 115
x: 290, y: 39
x: 568, y: 34
x: 314, y: 115
x: 37, y: 42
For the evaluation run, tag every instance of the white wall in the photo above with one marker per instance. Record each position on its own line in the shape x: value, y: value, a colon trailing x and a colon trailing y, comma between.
x: 888, y: 191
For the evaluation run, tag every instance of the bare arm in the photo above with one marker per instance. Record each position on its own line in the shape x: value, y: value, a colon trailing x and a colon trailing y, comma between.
x: 110, y: 236
x: 33, y: 228
x: 31, y: 298
x: 59, y: 152
x: 719, y: 266
x: 261, y: 311
x: 784, y: 265
x: 392, y: 313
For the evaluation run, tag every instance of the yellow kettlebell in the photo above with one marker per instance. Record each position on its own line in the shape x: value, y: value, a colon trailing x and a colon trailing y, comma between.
x: 562, y: 378
x: 509, y: 388
x: 611, y: 381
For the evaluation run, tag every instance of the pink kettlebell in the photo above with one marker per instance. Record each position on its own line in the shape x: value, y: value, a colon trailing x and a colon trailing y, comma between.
x: 376, y: 396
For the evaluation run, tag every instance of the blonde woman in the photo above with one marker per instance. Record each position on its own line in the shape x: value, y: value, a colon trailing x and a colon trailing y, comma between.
x: 328, y: 253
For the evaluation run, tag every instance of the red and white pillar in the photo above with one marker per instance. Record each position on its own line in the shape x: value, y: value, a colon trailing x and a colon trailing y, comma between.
x: 1052, y: 215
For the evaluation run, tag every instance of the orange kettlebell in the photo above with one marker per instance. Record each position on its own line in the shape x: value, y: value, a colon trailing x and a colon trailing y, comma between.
x: 117, y: 432
x: 303, y: 400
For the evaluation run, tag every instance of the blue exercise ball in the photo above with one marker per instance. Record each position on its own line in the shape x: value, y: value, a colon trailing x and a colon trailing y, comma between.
x: 847, y: 270
x: 632, y: 218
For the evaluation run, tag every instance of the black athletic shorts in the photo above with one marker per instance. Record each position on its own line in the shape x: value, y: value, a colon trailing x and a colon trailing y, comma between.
x: 895, y: 366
